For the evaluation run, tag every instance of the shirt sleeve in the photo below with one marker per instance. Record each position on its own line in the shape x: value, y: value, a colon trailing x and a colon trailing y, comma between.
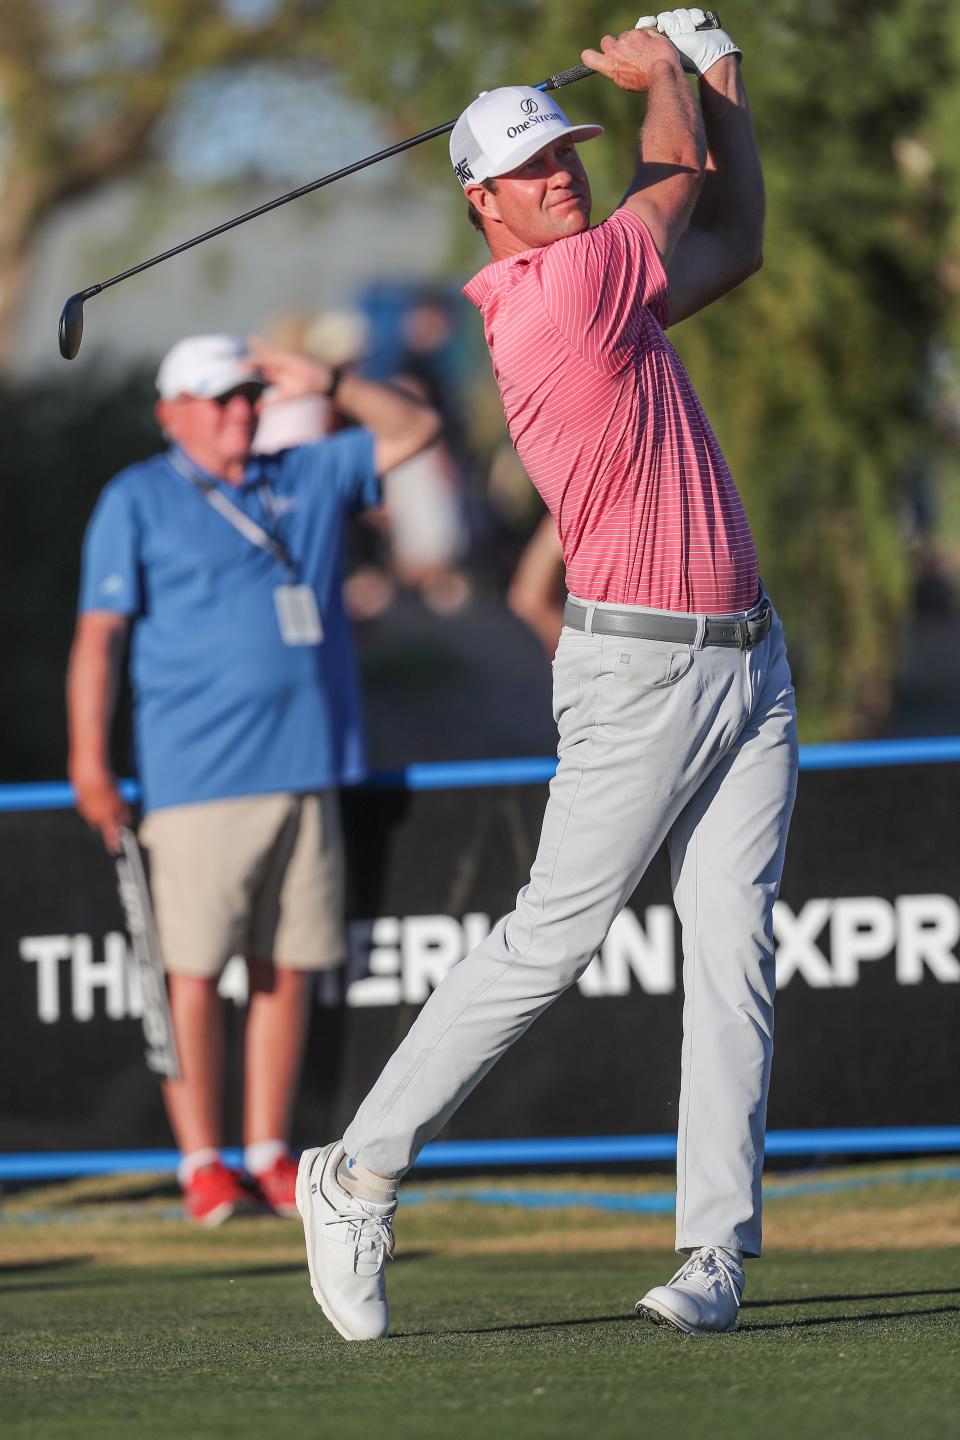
x: 596, y: 285
x: 110, y: 576
x: 344, y: 461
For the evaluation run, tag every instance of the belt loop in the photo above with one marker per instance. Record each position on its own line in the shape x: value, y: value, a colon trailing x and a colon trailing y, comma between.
x: 701, y: 632
x: 588, y: 618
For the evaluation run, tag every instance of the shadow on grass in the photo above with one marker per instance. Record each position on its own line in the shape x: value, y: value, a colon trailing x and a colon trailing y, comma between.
x: 745, y: 1329
x: 94, y: 1282
x: 30, y: 1267
x: 842, y: 1299
x: 510, y: 1329
x: 285, y: 1267
x: 175, y: 1274
x: 824, y: 1320
x: 132, y: 1188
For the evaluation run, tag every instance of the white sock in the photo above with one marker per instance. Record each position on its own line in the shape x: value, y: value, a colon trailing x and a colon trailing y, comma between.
x: 190, y: 1164
x: 259, y: 1158
x: 735, y: 1255
x: 357, y: 1180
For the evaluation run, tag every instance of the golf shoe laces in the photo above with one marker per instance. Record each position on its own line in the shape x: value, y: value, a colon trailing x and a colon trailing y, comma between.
x: 372, y: 1235
x: 705, y: 1269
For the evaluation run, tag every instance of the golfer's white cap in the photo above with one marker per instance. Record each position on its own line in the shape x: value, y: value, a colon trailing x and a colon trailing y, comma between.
x: 206, y: 365
x: 504, y: 128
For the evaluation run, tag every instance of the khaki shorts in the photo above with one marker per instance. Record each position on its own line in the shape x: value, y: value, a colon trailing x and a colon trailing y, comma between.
x: 260, y: 875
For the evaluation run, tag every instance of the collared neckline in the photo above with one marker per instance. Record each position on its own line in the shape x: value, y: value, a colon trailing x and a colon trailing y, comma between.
x: 479, y: 289
x: 252, y: 475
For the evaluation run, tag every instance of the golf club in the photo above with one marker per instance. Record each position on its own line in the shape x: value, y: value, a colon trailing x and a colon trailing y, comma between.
x: 160, y: 1047
x: 71, y: 316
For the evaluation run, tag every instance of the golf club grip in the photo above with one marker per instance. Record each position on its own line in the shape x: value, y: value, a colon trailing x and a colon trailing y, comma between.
x: 565, y: 77
x: 711, y: 21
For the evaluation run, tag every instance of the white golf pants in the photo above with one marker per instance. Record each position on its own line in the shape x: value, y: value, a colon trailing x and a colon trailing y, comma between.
x: 688, y: 743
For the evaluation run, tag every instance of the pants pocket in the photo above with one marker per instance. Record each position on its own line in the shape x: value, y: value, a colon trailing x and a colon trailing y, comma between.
x: 566, y: 692
x: 646, y: 664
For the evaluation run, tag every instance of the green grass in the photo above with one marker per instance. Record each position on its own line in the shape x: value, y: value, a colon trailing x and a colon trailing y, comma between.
x: 847, y: 1344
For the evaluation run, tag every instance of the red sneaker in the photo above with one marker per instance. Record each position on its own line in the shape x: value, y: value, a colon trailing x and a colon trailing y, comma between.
x: 213, y: 1193
x: 277, y: 1187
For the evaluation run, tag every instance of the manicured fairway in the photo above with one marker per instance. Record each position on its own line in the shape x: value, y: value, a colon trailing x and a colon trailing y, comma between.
x: 842, y: 1344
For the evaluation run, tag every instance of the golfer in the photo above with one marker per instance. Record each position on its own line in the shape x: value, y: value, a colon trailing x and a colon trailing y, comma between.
x: 672, y: 693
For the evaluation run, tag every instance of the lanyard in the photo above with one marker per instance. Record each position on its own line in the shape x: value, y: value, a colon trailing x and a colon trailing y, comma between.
x: 243, y: 523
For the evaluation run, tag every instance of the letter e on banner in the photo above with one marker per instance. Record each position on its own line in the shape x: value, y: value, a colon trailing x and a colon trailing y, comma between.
x: 378, y: 982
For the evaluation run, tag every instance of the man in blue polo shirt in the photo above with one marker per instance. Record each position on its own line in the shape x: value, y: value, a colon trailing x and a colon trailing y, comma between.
x: 226, y: 571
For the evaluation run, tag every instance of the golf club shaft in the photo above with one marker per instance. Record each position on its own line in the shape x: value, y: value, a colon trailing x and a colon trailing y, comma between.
x: 553, y: 82
x: 71, y: 316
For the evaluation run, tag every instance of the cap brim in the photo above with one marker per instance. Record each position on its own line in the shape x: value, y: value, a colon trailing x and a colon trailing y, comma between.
x: 248, y: 376
x: 536, y: 142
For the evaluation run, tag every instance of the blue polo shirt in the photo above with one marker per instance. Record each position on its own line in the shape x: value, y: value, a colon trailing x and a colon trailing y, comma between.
x: 222, y: 706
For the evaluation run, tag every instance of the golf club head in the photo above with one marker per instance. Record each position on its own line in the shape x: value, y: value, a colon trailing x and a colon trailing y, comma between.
x: 71, y: 323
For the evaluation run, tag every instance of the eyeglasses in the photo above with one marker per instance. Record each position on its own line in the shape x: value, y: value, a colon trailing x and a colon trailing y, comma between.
x: 251, y: 393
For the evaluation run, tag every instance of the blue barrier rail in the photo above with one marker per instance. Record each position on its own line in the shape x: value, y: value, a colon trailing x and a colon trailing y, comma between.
x: 563, y: 1150
x: 537, y: 770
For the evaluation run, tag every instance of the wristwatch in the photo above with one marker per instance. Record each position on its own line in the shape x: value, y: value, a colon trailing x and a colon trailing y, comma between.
x: 337, y: 373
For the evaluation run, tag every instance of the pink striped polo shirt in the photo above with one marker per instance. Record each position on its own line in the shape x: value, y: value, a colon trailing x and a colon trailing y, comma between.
x: 607, y: 424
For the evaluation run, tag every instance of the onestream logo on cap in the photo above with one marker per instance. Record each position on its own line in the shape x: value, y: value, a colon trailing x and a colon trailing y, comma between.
x: 504, y: 128
x: 534, y: 119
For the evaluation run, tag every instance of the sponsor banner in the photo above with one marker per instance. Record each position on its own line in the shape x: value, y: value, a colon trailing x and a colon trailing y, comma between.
x: 868, y: 964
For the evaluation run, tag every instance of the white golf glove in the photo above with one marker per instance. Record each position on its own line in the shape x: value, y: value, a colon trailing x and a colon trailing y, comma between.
x: 699, y: 49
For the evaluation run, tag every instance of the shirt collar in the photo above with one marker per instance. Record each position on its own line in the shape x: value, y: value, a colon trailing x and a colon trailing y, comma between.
x: 184, y: 464
x: 479, y: 290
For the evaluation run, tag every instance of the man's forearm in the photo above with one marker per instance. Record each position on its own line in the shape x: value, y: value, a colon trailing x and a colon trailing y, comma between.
x: 392, y: 415
x: 732, y: 198
x: 92, y: 684
x: 400, y: 424
x: 92, y: 681
x: 386, y: 410
x: 673, y: 132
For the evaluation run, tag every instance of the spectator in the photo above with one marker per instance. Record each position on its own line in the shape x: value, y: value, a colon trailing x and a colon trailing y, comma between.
x: 425, y: 505
x: 226, y: 570
x: 537, y: 594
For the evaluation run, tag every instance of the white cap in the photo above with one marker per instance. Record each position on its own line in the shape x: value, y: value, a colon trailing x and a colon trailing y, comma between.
x: 206, y: 365
x: 505, y: 127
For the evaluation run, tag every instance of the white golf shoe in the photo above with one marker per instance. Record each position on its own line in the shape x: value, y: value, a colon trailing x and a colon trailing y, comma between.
x: 702, y: 1298
x: 348, y: 1241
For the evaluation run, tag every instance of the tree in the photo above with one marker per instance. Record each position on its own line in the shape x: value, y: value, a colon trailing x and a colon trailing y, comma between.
x: 817, y: 367
x: 84, y: 85
x: 812, y: 372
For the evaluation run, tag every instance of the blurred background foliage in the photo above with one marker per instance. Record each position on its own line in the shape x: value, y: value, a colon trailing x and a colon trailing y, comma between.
x: 817, y: 374
x: 829, y: 377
